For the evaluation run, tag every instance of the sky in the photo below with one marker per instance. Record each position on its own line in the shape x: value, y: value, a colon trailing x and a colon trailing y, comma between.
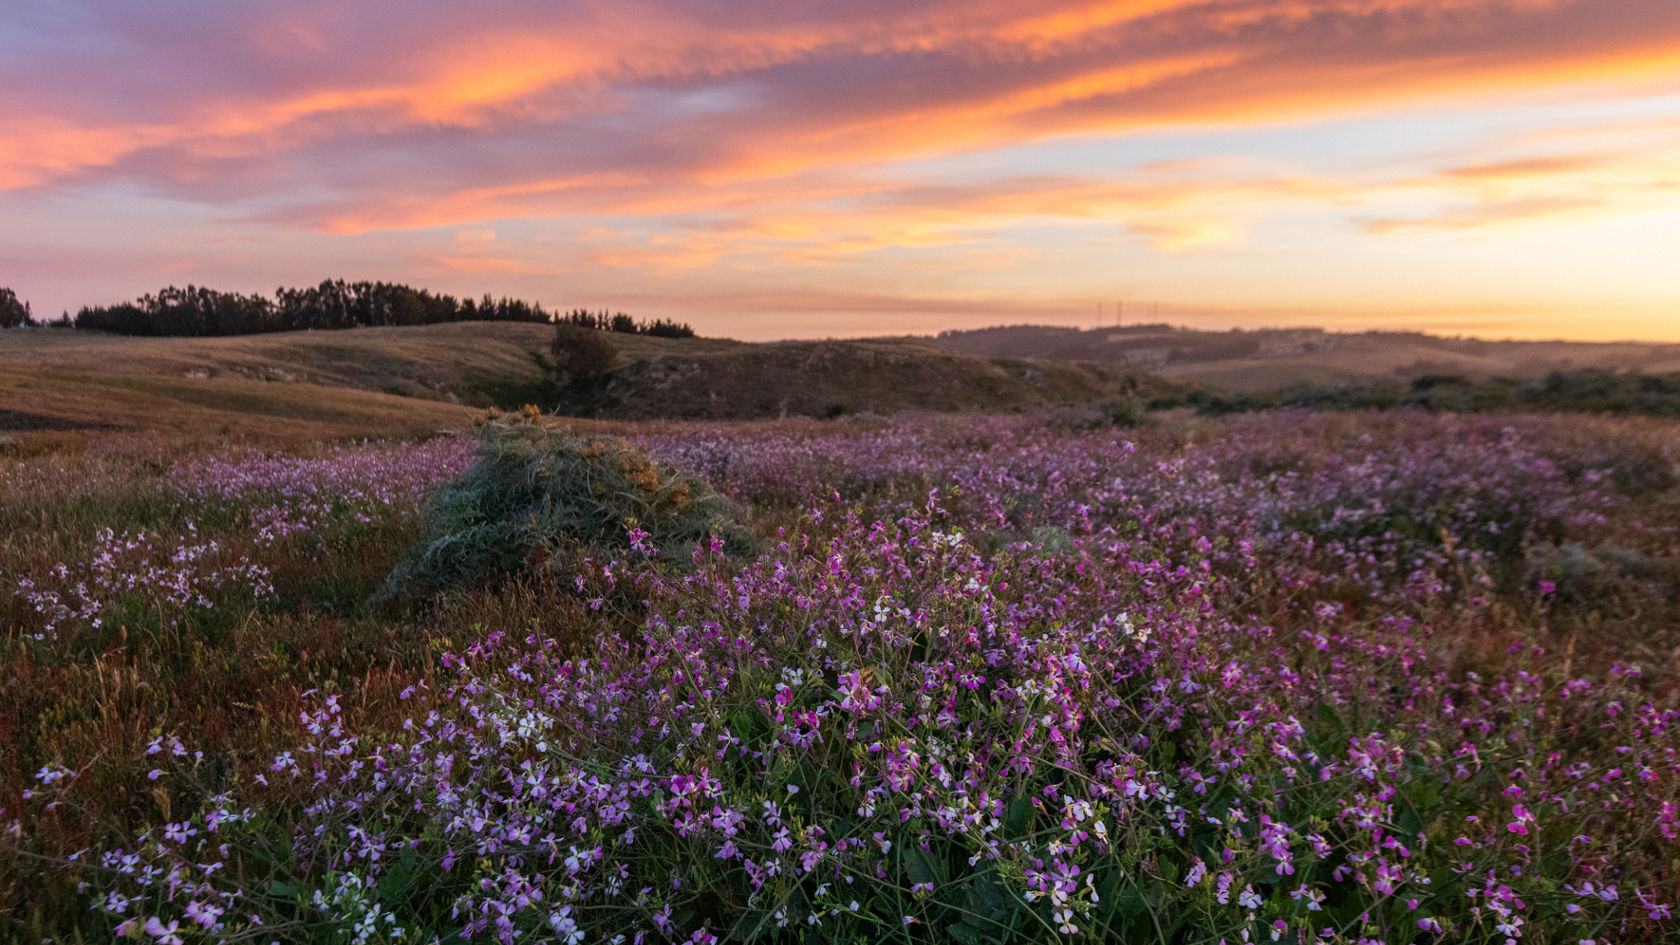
x: 830, y: 168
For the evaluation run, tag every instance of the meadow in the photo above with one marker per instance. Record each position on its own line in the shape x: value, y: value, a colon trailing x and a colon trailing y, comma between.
x: 1275, y: 677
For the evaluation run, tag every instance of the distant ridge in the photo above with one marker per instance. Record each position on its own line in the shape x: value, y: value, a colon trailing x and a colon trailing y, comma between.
x: 1262, y: 360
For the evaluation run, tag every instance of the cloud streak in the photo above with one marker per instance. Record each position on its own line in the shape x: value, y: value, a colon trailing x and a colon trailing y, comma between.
x: 786, y: 137
x: 527, y: 93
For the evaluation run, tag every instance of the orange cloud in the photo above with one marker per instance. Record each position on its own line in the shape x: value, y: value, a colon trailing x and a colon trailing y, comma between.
x: 811, y: 91
x: 797, y: 138
x: 1633, y: 170
x: 489, y: 265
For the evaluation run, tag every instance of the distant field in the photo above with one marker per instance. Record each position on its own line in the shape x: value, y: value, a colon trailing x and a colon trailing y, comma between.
x: 58, y: 386
x: 55, y: 408
x: 61, y: 385
x: 1262, y: 361
x: 450, y: 362
x: 295, y: 385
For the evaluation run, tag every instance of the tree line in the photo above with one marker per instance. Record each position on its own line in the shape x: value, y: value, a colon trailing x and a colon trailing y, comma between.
x: 624, y: 324
x: 198, y: 311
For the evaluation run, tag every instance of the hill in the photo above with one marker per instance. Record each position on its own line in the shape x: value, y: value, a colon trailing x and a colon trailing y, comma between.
x: 57, y: 384
x: 836, y: 378
x: 1273, y: 359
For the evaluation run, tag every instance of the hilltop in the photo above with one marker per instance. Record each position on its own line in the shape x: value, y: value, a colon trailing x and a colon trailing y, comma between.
x: 57, y: 383
x: 1273, y: 359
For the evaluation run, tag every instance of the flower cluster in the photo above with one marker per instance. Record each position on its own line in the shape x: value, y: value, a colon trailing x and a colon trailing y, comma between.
x: 339, y: 488
x: 169, y: 580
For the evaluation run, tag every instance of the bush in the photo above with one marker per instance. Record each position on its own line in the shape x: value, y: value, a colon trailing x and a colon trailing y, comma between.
x: 1121, y: 412
x: 580, y: 355
x: 539, y: 496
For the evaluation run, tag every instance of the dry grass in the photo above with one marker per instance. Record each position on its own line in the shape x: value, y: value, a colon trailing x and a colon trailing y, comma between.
x: 441, y: 362
x: 835, y: 378
x: 295, y: 386
x: 1362, y: 358
x: 77, y: 408
x: 1263, y: 361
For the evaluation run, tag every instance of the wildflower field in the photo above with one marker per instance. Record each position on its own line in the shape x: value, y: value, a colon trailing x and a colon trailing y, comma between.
x: 1279, y: 677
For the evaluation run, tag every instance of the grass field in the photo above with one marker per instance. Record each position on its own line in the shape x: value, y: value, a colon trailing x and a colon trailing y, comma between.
x: 1277, y: 677
x: 1266, y: 360
x: 301, y: 386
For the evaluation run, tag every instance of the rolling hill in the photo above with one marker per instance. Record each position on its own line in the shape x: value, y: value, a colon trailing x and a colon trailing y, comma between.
x: 1269, y: 360
x: 836, y: 378
x: 60, y: 384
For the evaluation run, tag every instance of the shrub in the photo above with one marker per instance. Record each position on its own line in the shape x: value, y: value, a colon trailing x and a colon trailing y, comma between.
x: 580, y: 354
x: 540, y: 495
x: 1121, y: 412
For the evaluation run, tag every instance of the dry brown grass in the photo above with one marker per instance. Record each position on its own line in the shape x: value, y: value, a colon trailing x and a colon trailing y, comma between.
x: 80, y: 407
x: 834, y: 378
x: 63, y: 387
x: 438, y: 362
x: 1263, y: 361
x: 1369, y: 358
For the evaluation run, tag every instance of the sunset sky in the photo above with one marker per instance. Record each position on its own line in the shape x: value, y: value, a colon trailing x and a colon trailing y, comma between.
x: 1503, y: 168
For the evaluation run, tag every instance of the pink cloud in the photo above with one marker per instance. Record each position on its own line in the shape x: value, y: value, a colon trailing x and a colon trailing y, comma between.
x: 470, y: 105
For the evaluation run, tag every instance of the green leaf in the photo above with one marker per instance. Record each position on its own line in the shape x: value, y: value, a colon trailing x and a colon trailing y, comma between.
x: 1018, y: 816
x: 923, y: 867
x: 752, y: 926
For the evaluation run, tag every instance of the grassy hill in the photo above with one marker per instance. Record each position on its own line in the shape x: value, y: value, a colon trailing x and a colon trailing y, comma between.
x: 40, y: 409
x: 60, y: 384
x: 836, y: 378
x: 1270, y: 360
x: 461, y: 362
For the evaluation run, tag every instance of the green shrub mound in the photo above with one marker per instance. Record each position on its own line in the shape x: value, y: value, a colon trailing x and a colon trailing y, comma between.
x: 539, y: 495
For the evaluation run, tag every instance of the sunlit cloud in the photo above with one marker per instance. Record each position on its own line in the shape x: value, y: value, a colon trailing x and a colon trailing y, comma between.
x: 1497, y: 213
x: 806, y: 147
x: 490, y: 265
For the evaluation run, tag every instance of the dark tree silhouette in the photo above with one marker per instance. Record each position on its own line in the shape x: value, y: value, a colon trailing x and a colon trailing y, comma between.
x: 334, y: 304
x: 13, y: 311
x: 580, y: 354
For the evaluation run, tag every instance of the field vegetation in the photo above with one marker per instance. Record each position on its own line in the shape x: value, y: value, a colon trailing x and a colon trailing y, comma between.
x: 1264, y: 361
x: 1270, y: 677
x: 1602, y: 392
x: 320, y: 384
